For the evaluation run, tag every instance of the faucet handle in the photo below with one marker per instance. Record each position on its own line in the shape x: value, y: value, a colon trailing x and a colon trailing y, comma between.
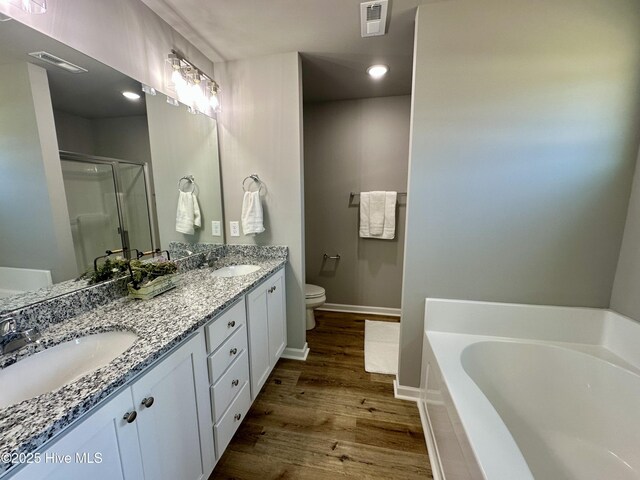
x: 8, y: 326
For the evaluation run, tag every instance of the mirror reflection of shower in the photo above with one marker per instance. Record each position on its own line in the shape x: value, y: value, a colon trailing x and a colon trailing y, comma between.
x: 108, y: 203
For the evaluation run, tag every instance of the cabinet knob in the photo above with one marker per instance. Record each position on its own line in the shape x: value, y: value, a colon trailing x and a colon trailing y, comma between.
x: 275, y: 287
x: 147, y: 402
x: 235, y: 383
x: 231, y: 324
x: 271, y: 289
x: 233, y: 351
x: 237, y: 416
x: 130, y: 417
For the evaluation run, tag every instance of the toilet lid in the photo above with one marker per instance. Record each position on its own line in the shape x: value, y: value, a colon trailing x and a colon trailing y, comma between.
x: 313, y: 291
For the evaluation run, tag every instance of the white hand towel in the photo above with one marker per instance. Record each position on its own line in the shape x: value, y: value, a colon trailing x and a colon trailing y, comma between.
x: 376, y: 213
x: 188, y: 213
x: 252, y: 218
x: 365, y: 200
x: 384, y: 204
x: 389, y: 230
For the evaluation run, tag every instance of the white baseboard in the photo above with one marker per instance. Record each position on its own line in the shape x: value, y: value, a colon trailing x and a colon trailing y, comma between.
x: 405, y: 393
x: 296, y: 353
x: 434, y: 455
x: 337, y: 307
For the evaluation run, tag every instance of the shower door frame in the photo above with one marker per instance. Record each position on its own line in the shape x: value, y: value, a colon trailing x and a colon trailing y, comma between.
x: 117, y: 182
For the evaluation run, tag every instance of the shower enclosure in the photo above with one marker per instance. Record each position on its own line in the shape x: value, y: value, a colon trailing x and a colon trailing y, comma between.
x: 110, y: 205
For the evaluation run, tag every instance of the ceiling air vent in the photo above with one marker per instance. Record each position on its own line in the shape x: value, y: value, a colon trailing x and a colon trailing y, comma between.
x: 373, y: 18
x: 58, y: 62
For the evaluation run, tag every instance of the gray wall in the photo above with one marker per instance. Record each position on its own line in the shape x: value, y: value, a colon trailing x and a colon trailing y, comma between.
x: 123, y: 34
x: 354, y: 145
x: 261, y: 132
x: 124, y: 138
x: 184, y: 144
x: 625, y: 297
x: 35, y: 230
x: 525, y: 135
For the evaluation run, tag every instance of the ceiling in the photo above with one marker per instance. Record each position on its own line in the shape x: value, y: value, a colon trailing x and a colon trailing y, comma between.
x: 96, y: 94
x: 325, y: 32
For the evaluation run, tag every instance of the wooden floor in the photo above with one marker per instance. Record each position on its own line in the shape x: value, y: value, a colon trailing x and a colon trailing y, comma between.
x: 327, y: 418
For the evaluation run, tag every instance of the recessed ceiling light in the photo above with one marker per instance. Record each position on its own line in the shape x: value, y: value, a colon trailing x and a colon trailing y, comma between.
x: 131, y: 95
x: 377, y: 71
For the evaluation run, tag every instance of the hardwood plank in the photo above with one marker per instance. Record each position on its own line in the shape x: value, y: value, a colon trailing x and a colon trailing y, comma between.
x: 327, y: 417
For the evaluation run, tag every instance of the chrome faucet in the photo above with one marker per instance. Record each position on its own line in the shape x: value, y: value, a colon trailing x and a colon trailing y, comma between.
x: 11, y: 339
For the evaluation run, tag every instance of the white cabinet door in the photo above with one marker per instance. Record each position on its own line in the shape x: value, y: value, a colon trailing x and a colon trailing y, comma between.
x: 104, y: 446
x: 169, y: 421
x: 277, y: 317
x: 257, y: 320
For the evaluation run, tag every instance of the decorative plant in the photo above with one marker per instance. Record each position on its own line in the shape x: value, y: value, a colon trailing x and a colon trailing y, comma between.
x: 145, y: 272
x: 110, y: 268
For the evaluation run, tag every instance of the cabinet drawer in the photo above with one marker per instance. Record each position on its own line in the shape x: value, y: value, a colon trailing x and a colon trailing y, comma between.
x: 224, y: 356
x: 224, y: 390
x: 229, y: 322
x: 231, y: 420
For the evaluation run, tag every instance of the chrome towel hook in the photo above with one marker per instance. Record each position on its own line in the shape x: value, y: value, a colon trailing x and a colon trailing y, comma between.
x: 256, y: 179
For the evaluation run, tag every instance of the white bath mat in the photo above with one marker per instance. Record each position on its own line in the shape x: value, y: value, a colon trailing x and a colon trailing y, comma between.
x: 381, y: 346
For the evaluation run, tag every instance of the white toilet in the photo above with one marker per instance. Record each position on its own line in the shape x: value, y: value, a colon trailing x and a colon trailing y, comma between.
x: 314, y: 298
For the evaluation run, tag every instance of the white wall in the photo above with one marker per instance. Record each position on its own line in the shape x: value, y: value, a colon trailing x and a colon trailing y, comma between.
x: 525, y: 134
x: 353, y: 146
x: 184, y: 144
x: 33, y: 211
x: 123, y: 34
x: 261, y: 132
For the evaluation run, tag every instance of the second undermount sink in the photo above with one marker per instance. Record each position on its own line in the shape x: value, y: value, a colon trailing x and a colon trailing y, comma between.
x: 235, y: 270
x: 60, y: 365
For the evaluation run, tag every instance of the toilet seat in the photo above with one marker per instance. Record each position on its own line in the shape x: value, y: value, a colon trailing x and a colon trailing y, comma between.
x: 313, y: 291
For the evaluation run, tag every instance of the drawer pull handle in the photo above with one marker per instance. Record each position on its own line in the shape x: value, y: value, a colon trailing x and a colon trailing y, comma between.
x: 237, y: 416
x: 233, y: 351
x: 235, y: 383
x: 231, y: 324
x: 130, y: 417
x: 147, y: 402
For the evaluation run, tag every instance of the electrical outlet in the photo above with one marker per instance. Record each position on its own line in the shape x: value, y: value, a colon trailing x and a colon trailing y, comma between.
x: 215, y: 228
x: 235, y: 229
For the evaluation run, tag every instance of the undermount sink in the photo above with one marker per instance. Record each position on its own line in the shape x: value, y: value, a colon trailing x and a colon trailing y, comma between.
x: 235, y: 270
x: 57, y: 366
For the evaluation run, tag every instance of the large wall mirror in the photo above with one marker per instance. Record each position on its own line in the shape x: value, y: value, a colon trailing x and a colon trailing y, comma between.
x: 85, y: 169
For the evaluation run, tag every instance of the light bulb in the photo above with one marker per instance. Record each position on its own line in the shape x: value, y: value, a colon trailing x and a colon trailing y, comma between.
x: 377, y: 71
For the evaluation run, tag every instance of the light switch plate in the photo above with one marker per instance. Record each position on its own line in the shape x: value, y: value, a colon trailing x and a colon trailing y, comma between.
x: 215, y: 228
x: 235, y: 229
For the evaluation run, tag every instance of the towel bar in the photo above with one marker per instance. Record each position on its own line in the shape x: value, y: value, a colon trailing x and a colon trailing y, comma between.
x: 335, y: 257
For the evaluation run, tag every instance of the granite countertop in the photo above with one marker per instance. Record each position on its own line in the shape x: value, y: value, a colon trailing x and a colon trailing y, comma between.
x: 160, y: 323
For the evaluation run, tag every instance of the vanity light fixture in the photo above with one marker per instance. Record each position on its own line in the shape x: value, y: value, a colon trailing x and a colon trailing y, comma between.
x: 377, y: 71
x: 30, y: 6
x: 131, y: 95
x: 192, y: 86
x: 148, y: 90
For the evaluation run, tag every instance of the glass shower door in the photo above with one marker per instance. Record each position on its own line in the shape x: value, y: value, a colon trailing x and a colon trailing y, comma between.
x: 136, y: 216
x: 91, y: 194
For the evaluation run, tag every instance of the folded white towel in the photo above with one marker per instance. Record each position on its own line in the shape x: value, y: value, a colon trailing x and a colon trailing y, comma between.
x: 378, y: 215
x: 188, y: 213
x: 252, y: 218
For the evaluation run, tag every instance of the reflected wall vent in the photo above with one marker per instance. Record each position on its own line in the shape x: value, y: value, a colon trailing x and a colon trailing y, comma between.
x: 373, y: 18
x: 58, y: 62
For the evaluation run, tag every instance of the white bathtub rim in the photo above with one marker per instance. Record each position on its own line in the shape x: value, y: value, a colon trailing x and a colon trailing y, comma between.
x: 491, y: 441
x: 493, y: 446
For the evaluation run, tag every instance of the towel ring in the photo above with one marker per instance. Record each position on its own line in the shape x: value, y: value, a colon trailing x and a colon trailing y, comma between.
x: 256, y: 179
x: 190, y: 181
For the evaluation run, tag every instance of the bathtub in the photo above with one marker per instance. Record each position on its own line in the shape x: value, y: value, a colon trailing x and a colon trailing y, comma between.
x: 521, y: 392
